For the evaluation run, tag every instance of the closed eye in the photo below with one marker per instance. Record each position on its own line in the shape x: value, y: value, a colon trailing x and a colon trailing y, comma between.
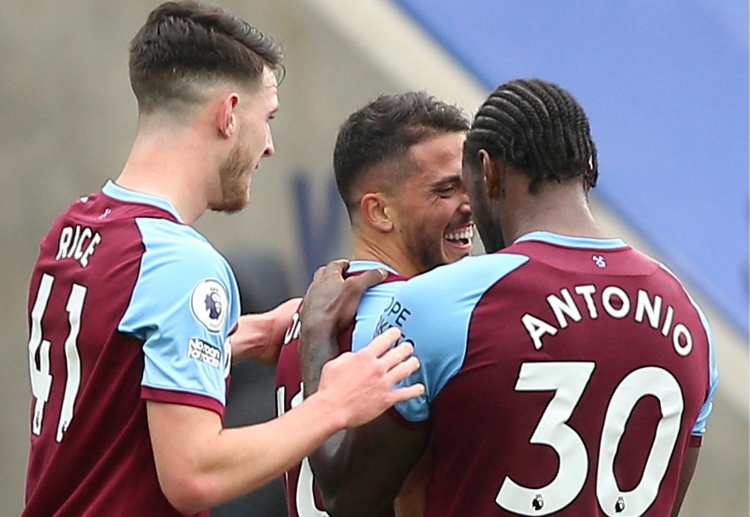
x: 445, y: 191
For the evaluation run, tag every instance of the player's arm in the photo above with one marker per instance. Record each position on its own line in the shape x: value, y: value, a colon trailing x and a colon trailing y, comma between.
x: 411, y: 499
x: 359, y: 471
x: 688, y: 469
x: 362, y: 471
x: 259, y: 336
x: 200, y: 464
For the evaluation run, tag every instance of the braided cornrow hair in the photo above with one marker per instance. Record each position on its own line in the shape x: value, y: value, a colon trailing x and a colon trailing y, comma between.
x: 538, y: 127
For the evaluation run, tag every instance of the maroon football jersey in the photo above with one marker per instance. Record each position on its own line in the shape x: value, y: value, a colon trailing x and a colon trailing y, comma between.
x: 99, y: 347
x: 564, y: 376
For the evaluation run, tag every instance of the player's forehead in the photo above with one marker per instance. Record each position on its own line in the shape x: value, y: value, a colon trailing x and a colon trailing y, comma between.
x: 264, y: 96
x: 437, y: 159
x: 450, y: 143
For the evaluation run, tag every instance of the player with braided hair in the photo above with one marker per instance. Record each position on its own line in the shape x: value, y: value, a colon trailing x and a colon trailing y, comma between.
x: 565, y: 374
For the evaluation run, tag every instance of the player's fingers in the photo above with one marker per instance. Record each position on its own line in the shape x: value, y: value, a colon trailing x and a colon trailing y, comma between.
x: 381, y: 343
x: 403, y: 369
x: 337, y: 267
x: 318, y: 273
x: 368, y: 279
x: 406, y: 393
x: 397, y: 354
x: 334, y: 267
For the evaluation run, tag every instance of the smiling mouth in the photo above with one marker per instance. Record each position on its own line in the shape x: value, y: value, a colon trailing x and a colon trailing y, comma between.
x: 460, y: 237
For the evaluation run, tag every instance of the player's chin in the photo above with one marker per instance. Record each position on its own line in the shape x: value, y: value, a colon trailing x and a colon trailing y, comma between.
x: 233, y: 204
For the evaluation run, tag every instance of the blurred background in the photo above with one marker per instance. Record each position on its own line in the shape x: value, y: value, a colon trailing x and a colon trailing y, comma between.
x: 664, y: 82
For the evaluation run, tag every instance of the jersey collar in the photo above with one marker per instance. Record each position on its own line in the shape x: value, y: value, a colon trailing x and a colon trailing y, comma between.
x: 572, y: 242
x: 115, y: 191
x: 357, y: 266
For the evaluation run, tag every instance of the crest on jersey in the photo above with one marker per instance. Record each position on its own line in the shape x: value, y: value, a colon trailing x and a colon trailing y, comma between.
x: 209, y: 304
x: 599, y: 261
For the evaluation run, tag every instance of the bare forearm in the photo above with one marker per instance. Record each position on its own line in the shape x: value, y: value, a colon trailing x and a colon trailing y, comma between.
x: 259, y: 336
x: 358, y: 476
x: 251, y: 336
x: 688, y: 469
x: 201, y: 465
x: 258, y: 454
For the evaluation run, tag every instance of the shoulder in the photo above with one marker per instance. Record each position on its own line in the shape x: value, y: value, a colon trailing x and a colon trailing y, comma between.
x: 375, y: 298
x: 437, y: 306
x: 469, y: 276
x: 179, y: 252
x: 180, y: 269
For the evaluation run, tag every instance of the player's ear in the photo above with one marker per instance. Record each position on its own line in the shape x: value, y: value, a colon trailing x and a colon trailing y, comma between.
x: 493, y: 176
x: 226, y: 120
x: 376, y: 211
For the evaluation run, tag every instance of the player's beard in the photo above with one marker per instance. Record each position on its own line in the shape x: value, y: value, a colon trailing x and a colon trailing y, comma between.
x: 234, y: 178
x: 426, y: 251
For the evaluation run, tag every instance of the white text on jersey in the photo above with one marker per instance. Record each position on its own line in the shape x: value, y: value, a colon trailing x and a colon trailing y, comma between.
x: 78, y: 243
x: 617, y: 304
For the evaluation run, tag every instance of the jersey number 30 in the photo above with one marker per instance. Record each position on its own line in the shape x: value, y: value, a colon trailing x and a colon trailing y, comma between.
x: 41, y: 380
x: 568, y: 380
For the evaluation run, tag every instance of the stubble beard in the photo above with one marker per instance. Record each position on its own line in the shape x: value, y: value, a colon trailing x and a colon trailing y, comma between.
x: 234, y: 179
x: 426, y: 253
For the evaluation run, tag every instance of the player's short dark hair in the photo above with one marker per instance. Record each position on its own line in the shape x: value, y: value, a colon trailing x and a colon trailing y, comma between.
x: 537, y: 127
x: 186, y: 44
x: 384, y: 130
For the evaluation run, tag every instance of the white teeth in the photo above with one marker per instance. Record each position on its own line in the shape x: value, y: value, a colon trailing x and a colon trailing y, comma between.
x: 466, y: 233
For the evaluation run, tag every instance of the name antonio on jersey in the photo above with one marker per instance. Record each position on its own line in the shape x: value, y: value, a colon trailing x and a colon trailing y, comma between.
x: 615, y: 302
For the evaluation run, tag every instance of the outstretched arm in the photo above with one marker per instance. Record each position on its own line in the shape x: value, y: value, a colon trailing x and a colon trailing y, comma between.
x: 359, y: 471
x: 259, y: 336
x: 200, y: 464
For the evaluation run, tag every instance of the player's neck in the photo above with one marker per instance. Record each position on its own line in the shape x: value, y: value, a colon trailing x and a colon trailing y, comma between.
x: 380, y: 251
x: 169, y: 169
x: 561, y: 211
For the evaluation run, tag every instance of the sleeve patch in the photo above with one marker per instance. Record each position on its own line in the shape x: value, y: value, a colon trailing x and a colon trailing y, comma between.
x: 204, y: 352
x: 209, y: 304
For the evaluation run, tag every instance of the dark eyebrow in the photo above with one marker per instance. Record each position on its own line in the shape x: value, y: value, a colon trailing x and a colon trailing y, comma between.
x: 445, y: 182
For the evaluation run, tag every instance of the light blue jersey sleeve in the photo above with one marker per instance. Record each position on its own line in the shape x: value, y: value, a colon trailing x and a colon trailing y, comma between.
x: 184, y: 305
x: 371, y: 306
x: 433, y: 311
x: 699, y: 429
